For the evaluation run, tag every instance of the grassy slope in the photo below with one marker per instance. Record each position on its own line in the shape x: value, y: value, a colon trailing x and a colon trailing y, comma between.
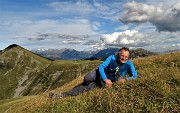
x: 157, y: 89
x: 16, y: 63
x: 29, y: 74
x: 60, y: 72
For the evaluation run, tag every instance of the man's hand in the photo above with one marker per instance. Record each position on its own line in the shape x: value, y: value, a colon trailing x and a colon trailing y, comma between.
x: 108, y: 82
x: 121, y: 80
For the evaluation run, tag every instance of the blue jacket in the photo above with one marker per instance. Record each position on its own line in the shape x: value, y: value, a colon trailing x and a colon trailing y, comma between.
x: 112, y: 69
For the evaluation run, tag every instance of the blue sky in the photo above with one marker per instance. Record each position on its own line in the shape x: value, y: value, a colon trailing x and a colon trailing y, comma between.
x: 90, y: 24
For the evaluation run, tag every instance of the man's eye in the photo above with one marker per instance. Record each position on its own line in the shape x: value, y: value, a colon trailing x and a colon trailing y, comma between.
x: 124, y: 56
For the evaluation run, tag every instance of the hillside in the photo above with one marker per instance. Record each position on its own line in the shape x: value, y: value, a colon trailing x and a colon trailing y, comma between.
x: 157, y: 90
x: 17, y: 69
x: 140, y: 52
x: 25, y: 73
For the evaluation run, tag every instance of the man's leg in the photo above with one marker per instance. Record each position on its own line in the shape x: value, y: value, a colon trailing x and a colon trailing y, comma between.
x: 79, y: 89
x: 88, y: 84
x: 89, y: 78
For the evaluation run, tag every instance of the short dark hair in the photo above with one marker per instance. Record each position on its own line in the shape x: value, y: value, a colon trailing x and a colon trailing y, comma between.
x: 124, y: 48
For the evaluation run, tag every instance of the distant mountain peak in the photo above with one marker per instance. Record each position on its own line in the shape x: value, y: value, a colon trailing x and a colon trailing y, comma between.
x: 41, y: 49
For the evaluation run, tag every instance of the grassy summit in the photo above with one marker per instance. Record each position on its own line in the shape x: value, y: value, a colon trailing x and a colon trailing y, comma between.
x: 157, y: 89
x: 18, y: 68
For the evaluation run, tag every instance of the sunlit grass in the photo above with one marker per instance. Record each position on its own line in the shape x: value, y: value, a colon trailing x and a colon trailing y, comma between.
x: 156, y: 90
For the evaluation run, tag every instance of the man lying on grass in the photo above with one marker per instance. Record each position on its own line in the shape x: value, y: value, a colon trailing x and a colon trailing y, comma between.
x: 113, y: 69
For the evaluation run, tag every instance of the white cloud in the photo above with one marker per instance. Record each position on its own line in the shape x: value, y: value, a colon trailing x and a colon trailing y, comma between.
x: 57, y: 32
x: 153, y: 41
x: 96, y: 25
x: 84, y: 9
x: 165, y: 18
x: 78, y: 7
x: 78, y: 24
x: 69, y: 26
x: 176, y: 45
x: 160, y: 2
x: 130, y: 38
x: 122, y: 28
x: 72, y: 41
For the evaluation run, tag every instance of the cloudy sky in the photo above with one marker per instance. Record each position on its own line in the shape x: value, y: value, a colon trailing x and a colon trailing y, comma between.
x: 90, y: 24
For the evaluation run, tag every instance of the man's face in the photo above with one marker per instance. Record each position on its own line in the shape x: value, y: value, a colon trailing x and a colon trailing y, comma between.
x: 123, y: 56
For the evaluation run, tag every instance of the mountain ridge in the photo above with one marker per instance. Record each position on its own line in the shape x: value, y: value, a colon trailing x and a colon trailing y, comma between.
x: 72, y: 54
x: 64, y: 54
x: 25, y: 73
x: 19, y: 65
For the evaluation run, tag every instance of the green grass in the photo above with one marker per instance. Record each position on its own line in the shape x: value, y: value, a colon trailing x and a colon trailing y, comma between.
x: 60, y: 72
x: 156, y: 90
x: 16, y: 63
x: 5, y: 105
x: 39, y: 74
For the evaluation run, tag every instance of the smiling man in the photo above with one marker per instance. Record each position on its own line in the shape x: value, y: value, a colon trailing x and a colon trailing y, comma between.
x: 113, y: 69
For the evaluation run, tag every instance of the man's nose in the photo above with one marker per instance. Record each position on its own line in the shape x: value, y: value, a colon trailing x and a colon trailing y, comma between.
x: 124, y: 57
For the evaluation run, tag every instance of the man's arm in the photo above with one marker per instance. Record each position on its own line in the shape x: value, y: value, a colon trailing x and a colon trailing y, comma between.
x: 132, y: 71
x: 102, y: 66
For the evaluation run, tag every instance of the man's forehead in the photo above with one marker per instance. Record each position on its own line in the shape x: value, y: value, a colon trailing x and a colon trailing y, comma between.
x: 124, y: 52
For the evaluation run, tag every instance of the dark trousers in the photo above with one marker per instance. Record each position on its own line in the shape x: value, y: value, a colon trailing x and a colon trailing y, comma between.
x: 91, y: 81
